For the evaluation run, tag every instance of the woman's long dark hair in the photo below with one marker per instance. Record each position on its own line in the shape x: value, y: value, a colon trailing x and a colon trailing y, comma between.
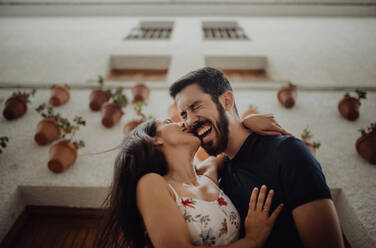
x: 138, y: 156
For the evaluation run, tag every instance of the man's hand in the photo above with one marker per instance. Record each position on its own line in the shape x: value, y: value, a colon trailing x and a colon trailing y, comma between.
x: 264, y: 124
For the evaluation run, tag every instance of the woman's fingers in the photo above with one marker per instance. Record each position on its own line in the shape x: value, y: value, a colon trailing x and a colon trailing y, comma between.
x: 268, y: 201
x: 261, y: 198
x: 276, y: 212
x: 252, y: 201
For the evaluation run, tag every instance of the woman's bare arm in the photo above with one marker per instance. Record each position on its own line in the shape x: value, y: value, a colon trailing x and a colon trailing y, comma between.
x: 166, y: 225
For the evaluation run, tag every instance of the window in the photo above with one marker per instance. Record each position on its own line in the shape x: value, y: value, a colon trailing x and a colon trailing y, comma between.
x: 240, y: 68
x: 223, y: 31
x: 151, y: 31
x: 143, y: 68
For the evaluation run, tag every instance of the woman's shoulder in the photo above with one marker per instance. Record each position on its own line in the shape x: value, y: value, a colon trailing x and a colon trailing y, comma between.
x: 151, y: 180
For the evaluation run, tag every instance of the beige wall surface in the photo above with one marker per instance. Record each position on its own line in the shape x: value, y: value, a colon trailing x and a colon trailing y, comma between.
x: 322, y: 55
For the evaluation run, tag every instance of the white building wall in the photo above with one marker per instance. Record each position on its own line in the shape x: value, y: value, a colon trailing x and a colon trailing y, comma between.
x: 311, y: 52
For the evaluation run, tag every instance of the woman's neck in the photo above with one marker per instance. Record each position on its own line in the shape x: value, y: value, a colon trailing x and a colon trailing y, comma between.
x: 180, y: 167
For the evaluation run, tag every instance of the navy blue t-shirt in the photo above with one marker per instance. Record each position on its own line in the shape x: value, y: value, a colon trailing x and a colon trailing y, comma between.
x: 282, y: 163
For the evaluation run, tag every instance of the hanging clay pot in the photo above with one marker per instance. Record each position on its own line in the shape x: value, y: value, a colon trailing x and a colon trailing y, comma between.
x: 173, y: 113
x: 46, y: 131
x: 201, y: 154
x: 59, y: 95
x: 366, y: 146
x: 349, y: 108
x: 97, y: 98
x: 62, y: 155
x: 111, y: 114
x: 140, y: 92
x: 287, y: 96
x: 250, y: 110
x: 15, y: 107
x: 130, y: 126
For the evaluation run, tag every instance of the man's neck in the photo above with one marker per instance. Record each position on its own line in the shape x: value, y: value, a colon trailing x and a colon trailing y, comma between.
x: 236, y: 138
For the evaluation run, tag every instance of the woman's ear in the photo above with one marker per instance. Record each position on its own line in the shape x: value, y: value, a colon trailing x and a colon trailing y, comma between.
x: 227, y: 100
x: 157, y: 141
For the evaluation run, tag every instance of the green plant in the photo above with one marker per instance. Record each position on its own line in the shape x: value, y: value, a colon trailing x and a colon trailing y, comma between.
x: 3, y: 142
x: 117, y: 97
x: 362, y: 94
x: 254, y: 107
x: 100, y: 81
x: 291, y: 85
x: 25, y: 95
x: 69, y: 130
x: 306, y: 136
x: 370, y: 129
x: 138, y: 108
x: 47, y: 111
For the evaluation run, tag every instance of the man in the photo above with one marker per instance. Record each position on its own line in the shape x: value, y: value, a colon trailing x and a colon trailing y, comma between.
x: 206, y: 104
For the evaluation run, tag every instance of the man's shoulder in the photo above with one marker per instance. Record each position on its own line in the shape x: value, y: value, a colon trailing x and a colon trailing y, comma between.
x: 278, y: 141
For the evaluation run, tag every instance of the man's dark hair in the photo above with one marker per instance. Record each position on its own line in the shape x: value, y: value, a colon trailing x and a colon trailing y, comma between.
x: 210, y: 80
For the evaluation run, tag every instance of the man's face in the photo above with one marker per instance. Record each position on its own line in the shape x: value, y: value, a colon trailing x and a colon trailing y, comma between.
x: 204, y: 118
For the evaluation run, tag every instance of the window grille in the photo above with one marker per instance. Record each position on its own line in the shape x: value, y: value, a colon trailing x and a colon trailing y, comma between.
x: 150, y: 33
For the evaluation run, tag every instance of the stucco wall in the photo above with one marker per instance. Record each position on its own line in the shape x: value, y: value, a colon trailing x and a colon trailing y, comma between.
x: 311, y: 52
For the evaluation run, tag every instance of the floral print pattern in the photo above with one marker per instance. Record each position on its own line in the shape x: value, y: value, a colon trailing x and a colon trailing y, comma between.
x: 210, y: 222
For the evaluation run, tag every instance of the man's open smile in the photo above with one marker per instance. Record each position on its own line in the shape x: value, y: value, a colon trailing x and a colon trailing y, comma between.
x: 203, y: 129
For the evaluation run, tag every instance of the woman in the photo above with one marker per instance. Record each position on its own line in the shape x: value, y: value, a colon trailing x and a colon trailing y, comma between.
x: 158, y: 199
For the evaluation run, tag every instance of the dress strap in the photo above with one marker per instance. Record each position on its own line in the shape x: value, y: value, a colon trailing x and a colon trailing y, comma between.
x: 176, y: 194
x: 212, y: 182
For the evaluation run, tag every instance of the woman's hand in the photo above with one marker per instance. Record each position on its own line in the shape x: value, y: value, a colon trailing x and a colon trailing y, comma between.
x: 258, y: 223
x: 264, y: 124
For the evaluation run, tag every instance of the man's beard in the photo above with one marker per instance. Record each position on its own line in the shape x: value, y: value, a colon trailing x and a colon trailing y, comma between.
x: 222, y: 138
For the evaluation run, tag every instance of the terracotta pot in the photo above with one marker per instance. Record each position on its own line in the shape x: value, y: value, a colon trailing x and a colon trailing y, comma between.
x: 59, y: 95
x: 287, y: 96
x: 46, y: 131
x: 140, y: 93
x: 310, y: 147
x: 349, y: 108
x: 250, y: 111
x: 130, y: 126
x: 97, y: 98
x: 62, y: 155
x: 15, y: 107
x: 173, y: 113
x: 111, y: 114
x: 366, y: 147
x: 201, y: 154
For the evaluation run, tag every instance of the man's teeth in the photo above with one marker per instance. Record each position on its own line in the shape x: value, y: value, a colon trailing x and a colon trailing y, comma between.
x: 203, y: 130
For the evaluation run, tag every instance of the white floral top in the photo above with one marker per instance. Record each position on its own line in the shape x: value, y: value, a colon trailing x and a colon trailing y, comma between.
x: 210, y: 223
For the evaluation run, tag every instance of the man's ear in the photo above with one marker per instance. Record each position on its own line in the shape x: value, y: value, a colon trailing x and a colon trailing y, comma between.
x: 227, y: 100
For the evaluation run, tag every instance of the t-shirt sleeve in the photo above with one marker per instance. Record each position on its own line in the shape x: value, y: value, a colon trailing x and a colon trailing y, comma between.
x: 300, y: 174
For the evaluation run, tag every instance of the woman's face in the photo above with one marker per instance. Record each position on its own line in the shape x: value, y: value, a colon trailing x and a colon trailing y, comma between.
x: 175, y: 133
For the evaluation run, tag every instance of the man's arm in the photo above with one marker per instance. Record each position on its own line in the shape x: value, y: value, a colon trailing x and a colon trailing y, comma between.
x: 318, y: 225
x: 308, y: 196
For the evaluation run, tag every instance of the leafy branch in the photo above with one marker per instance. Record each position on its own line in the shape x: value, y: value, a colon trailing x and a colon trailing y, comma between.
x: 306, y: 136
x: 362, y: 94
x: 253, y: 107
x: 370, y: 129
x: 24, y: 94
x: 100, y: 81
x: 291, y: 85
x: 47, y: 111
x: 137, y: 106
x: 69, y: 130
x: 117, y: 97
x: 3, y: 142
